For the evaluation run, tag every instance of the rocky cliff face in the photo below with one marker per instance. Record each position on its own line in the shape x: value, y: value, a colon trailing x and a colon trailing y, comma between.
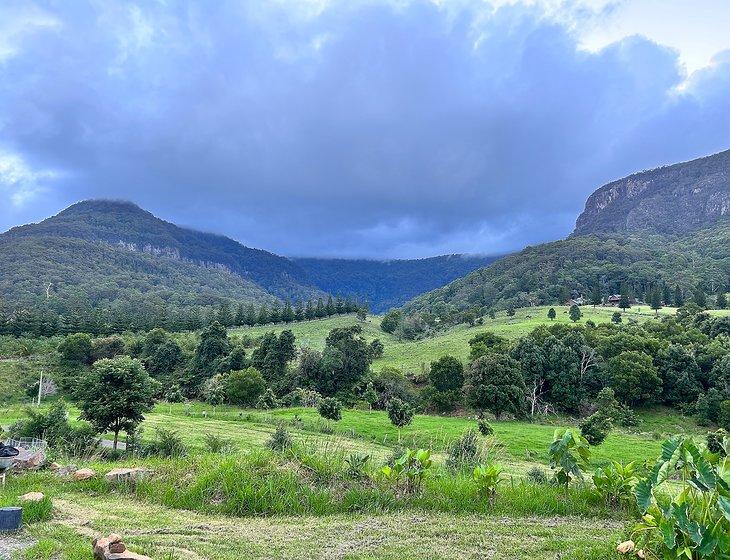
x: 675, y: 199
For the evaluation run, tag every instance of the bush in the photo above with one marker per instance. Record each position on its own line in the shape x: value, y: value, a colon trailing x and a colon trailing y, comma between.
x: 330, y: 408
x: 302, y: 397
x: 280, y: 439
x: 569, y: 455
x: 485, y: 428
x: 216, y: 444
x: 356, y: 466
x: 537, y: 475
x: 268, y: 401
x: 717, y: 442
x: 615, y: 483
x: 595, y: 428
x: 244, y: 387
x: 167, y: 444
x: 465, y: 451
x: 487, y: 478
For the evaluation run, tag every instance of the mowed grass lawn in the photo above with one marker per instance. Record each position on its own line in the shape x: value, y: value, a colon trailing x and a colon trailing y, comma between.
x: 413, y: 356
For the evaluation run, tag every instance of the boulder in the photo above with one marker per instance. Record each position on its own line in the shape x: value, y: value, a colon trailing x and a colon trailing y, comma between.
x: 112, y: 548
x: 83, y: 474
x: 126, y: 475
x: 32, y: 497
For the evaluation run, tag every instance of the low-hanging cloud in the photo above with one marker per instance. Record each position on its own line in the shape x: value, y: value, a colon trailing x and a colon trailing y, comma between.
x: 370, y: 128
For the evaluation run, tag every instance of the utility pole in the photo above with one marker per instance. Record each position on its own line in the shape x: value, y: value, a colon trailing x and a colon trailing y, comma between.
x: 40, y: 389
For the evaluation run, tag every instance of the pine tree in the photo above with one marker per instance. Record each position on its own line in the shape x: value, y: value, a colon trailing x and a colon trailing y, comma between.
x: 666, y: 295
x: 309, y: 312
x: 320, y: 310
x: 287, y: 314
x: 240, y: 315
x: 655, y: 299
x: 250, y: 318
x: 551, y: 314
x: 699, y: 297
x: 299, y: 311
x: 678, y: 296
x: 624, y: 302
x: 596, y: 297
x: 263, y: 316
x: 330, y: 307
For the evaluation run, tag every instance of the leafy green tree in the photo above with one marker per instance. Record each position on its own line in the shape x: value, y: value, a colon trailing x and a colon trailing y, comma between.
x: 76, y: 349
x: 116, y: 394
x: 721, y: 300
x: 494, y: 382
x: 330, y: 408
x: 569, y: 456
x: 616, y: 318
x: 273, y: 355
x: 595, y: 428
x: 345, y: 360
x: 486, y: 343
x: 244, y: 387
x: 551, y: 314
x: 447, y: 374
x: 666, y: 295
x: 400, y: 414
x: 633, y: 378
x: 107, y: 347
x: 575, y: 313
x: 391, y: 320
x: 370, y: 396
x: 376, y: 349
x: 164, y: 360
x: 699, y: 297
x: 679, y: 373
x: 511, y: 311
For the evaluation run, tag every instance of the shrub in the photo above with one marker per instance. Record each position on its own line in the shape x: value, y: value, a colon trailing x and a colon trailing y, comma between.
x: 167, y: 443
x: 330, y: 408
x: 303, y: 397
x: 485, y: 428
x: 213, y: 390
x: 465, y: 451
x: 268, y: 401
x: 244, y: 387
x: 376, y: 348
x: 356, y: 466
x: 487, y: 478
x: 595, y: 428
x: 280, y: 439
x: 537, y: 475
x: 216, y: 444
x: 717, y: 442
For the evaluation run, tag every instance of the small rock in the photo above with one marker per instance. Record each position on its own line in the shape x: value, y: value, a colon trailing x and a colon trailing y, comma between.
x: 640, y: 553
x: 54, y: 467
x: 625, y: 547
x: 84, y: 474
x: 117, y: 547
x: 114, y: 538
x: 134, y: 474
x: 112, y: 548
x: 32, y: 497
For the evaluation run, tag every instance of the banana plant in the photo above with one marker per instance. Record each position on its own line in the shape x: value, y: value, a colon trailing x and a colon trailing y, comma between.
x: 695, y: 523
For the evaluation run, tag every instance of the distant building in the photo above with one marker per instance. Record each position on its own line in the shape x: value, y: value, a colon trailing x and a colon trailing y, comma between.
x: 575, y: 301
x: 613, y: 300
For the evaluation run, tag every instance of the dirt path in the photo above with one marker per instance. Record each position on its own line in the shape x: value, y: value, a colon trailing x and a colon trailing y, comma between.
x: 12, y: 544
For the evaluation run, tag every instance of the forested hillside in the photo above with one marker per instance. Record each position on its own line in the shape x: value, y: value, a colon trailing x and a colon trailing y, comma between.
x: 552, y: 272
x: 134, y: 230
x: 386, y: 284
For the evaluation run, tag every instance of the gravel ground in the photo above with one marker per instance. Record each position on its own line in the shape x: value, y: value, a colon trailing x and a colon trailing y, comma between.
x: 10, y: 544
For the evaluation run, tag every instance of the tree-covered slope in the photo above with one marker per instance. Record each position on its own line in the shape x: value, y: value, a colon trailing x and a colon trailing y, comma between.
x: 386, y: 284
x: 542, y: 274
x: 675, y: 199
x: 65, y: 274
x: 129, y: 228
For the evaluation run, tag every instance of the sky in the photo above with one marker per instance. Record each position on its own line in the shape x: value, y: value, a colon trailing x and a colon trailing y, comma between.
x: 354, y: 128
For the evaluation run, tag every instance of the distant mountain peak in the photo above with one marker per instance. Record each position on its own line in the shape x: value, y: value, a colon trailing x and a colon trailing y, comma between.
x: 678, y: 198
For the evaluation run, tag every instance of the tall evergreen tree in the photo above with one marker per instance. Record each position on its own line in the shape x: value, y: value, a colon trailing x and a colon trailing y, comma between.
x: 596, y: 296
x: 666, y: 294
x: 678, y: 296
x: 655, y: 299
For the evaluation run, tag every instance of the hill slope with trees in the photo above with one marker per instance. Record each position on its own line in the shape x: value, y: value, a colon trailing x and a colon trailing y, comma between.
x: 134, y: 230
x: 387, y: 284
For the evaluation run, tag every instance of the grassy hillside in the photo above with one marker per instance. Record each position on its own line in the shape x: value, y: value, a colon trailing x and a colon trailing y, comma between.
x: 409, y: 355
x: 542, y: 274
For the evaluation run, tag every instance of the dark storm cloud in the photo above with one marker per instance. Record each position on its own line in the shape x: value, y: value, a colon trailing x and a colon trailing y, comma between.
x: 367, y: 128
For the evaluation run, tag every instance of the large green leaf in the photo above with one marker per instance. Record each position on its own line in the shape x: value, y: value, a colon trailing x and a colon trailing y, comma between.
x: 724, y: 505
x: 643, y: 493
